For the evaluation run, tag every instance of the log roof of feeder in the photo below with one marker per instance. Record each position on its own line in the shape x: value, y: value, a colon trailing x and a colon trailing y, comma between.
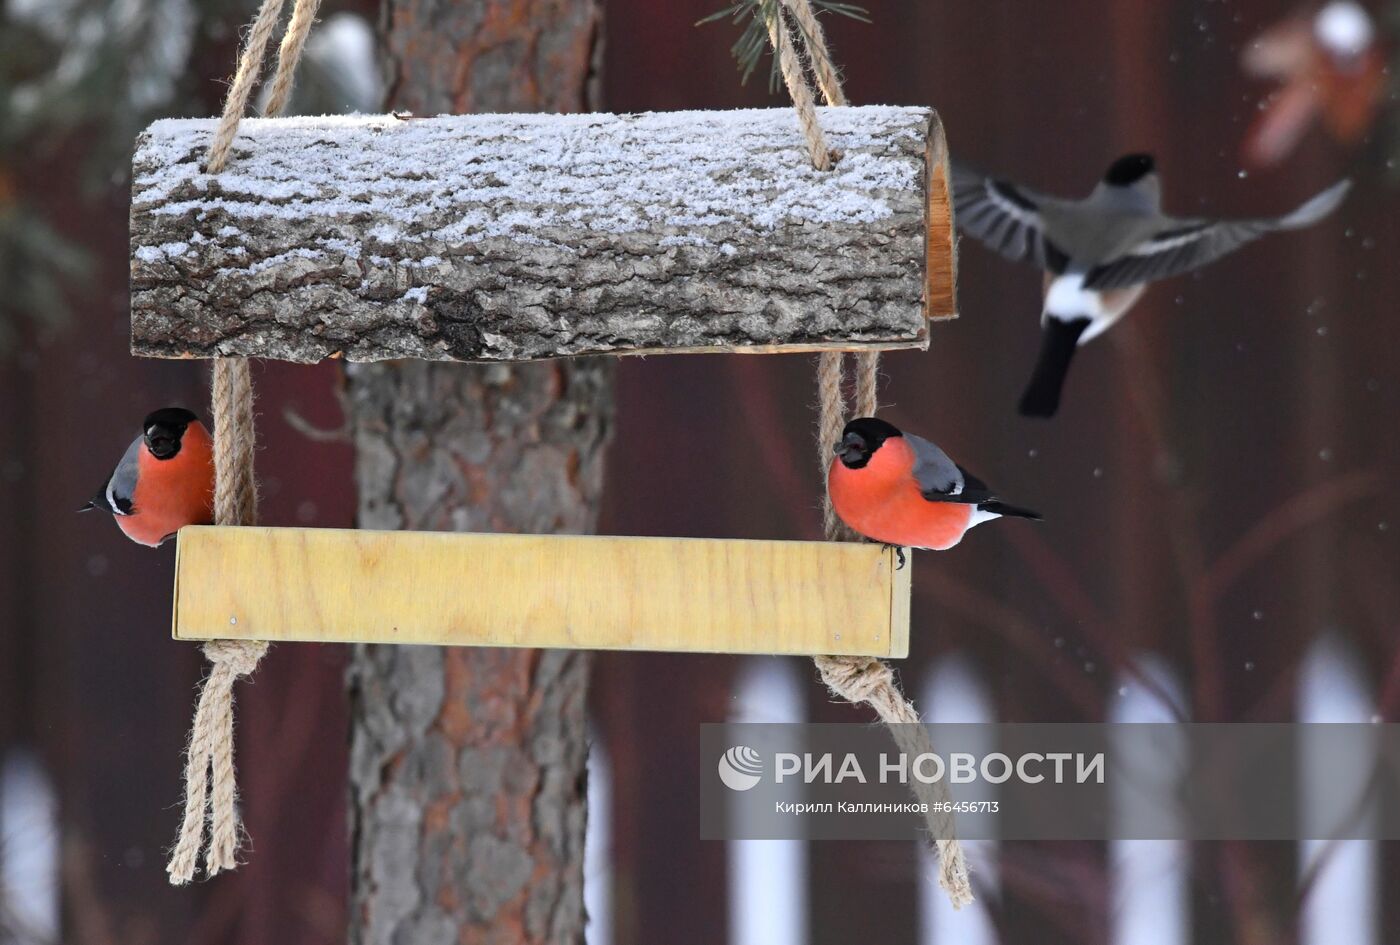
x: 401, y: 226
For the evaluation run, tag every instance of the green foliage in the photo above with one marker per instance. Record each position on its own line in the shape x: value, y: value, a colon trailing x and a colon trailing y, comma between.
x: 76, y: 77
x: 83, y: 77
x: 755, y: 16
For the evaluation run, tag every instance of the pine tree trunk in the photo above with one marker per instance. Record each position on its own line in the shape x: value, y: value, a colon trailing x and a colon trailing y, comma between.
x: 467, y: 766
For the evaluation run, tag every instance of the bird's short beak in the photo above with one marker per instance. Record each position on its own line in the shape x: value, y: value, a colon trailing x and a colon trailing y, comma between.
x: 162, y: 442
x: 851, y: 444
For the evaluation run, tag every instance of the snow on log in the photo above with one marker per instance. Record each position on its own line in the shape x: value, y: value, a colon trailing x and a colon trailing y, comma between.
x: 519, y: 237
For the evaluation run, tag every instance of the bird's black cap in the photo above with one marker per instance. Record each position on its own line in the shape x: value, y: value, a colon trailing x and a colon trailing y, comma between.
x: 174, y: 417
x: 1129, y: 169
x: 871, y: 429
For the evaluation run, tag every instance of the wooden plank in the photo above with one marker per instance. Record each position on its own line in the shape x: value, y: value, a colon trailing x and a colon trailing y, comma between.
x: 523, y: 237
x: 573, y: 591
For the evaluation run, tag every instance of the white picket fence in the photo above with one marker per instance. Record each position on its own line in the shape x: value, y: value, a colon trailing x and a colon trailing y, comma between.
x: 1150, y: 880
x: 768, y: 879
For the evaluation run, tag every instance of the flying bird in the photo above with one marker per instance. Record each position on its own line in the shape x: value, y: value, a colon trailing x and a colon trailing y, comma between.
x: 1329, y: 66
x: 164, y: 481
x: 1099, y: 253
x: 902, y: 490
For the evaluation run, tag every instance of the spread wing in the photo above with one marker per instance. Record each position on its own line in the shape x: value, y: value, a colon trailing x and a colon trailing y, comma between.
x: 1005, y: 217
x: 1182, y: 245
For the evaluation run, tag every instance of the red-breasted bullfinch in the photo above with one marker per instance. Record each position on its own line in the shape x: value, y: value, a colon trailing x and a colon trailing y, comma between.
x: 165, y: 479
x: 1100, y: 252
x: 900, y: 489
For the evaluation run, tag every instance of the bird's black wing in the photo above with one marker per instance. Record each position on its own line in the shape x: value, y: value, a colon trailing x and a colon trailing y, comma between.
x: 108, y: 501
x: 116, y: 494
x: 1183, y: 245
x: 975, y: 492
x: 942, y: 480
x: 1005, y: 217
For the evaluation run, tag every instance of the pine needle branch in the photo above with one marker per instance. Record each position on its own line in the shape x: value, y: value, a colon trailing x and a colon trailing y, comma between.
x: 755, y: 17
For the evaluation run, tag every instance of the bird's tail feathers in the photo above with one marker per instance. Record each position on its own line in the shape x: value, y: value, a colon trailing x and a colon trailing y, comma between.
x: 1058, y: 342
x: 1316, y: 208
x: 997, y: 507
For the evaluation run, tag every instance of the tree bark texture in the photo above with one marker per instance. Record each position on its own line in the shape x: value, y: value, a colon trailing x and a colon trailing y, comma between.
x: 520, y: 237
x: 468, y: 765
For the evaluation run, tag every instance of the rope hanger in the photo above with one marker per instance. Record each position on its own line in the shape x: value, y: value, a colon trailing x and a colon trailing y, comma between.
x: 210, y: 752
x: 235, y: 500
x: 858, y: 679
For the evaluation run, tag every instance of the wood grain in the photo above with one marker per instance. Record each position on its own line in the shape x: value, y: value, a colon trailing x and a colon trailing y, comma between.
x: 559, y: 591
x: 525, y: 237
x: 941, y: 250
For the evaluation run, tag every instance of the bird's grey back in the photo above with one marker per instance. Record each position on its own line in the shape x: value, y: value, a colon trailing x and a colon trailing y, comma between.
x: 933, y: 469
x: 122, y: 486
x: 1104, y: 225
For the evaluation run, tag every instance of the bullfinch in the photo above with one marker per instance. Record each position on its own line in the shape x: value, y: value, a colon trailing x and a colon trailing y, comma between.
x: 165, y: 479
x: 902, y: 490
x: 1099, y: 253
x: 1330, y: 67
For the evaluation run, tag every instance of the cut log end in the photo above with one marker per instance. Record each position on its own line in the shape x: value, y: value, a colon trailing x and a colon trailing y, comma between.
x: 519, y: 238
x: 941, y: 248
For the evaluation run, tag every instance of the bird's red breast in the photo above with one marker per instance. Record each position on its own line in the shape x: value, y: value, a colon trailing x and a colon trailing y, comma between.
x: 881, y: 500
x: 174, y: 492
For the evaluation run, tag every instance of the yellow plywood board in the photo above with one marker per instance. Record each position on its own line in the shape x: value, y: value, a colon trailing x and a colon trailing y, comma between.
x: 571, y: 591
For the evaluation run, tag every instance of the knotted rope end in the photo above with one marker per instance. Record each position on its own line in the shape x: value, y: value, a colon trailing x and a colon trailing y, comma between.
x: 209, y: 758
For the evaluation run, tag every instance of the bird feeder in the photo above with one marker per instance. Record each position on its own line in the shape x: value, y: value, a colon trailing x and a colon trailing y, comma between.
x: 524, y: 237
x: 559, y: 591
